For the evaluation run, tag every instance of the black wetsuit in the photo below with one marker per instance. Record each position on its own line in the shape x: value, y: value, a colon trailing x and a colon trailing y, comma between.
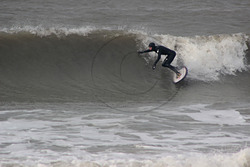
x: 161, y: 50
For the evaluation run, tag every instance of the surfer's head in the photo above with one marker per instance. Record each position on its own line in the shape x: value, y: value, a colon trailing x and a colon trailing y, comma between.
x: 151, y: 46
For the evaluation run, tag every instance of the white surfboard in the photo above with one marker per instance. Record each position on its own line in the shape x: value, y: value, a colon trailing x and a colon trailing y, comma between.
x: 183, y: 72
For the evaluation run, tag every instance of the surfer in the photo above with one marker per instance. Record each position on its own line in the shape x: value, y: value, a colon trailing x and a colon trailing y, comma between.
x: 161, y: 50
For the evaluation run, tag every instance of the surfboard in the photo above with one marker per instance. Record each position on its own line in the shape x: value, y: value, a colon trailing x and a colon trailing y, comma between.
x: 183, y: 71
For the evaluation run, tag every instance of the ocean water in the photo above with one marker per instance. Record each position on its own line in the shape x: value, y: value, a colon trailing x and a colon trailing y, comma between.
x: 74, y: 91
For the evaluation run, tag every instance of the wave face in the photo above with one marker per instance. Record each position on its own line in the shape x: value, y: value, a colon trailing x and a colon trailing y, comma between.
x: 45, y: 65
x: 86, y: 63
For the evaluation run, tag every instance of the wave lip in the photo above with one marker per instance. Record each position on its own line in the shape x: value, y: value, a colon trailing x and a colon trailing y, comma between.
x: 47, y: 31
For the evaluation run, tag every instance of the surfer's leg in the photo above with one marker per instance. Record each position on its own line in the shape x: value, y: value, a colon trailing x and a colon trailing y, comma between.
x: 171, y: 68
x: 167, y: 63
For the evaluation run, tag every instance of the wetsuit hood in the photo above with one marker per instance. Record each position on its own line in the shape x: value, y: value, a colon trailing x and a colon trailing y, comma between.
x: 152, y: 45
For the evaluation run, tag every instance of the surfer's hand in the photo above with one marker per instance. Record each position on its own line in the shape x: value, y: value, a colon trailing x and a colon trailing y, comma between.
x: 139, y: 52
x: 153, y: 67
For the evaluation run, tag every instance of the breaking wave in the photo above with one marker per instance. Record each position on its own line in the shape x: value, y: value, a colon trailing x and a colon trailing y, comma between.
x: 86, y: 62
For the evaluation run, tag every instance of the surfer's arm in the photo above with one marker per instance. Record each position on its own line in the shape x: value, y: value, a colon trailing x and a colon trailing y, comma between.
x: 156, y: 61
x: 145, y: 51
x: 158, y: 58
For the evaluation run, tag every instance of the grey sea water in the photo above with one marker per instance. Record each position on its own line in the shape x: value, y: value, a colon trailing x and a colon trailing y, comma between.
x: 74, y: 92
x: 164, y: 17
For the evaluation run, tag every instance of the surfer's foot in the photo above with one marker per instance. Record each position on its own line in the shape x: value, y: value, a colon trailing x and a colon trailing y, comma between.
x: 178, y: 75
